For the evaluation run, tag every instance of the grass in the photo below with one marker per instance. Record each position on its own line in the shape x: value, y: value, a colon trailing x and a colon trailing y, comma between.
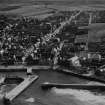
x: 8, y: 8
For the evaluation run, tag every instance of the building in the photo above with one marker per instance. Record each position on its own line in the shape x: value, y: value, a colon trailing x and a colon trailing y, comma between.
x: 96, y: 32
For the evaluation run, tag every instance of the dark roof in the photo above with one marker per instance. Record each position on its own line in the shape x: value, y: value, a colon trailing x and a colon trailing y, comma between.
x: 96, y: 31
x: 81, y: 38
x: 94, y: 26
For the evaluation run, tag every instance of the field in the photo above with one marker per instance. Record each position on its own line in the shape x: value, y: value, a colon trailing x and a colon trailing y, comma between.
x: 25, y: 10
x: 42, y: 9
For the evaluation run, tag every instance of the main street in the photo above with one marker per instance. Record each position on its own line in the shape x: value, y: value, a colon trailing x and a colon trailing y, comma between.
x: 63, y: 24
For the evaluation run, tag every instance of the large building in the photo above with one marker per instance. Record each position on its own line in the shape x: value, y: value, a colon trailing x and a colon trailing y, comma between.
x: 96, y: 34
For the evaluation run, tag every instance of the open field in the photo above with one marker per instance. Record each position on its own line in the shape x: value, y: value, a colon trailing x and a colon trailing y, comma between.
x: 26, y: 10
x: 44, y: 8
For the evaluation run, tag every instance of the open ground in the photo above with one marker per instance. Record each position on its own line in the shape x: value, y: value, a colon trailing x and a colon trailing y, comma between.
x: 43, y: 9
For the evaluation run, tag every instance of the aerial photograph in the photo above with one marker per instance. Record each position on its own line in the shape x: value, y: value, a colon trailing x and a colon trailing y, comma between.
x: 52, y: 52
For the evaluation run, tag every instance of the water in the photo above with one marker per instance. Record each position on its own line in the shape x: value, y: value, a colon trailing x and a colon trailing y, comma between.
x: 5, y: 88
x: 82, y: 95
x: 36, y: 96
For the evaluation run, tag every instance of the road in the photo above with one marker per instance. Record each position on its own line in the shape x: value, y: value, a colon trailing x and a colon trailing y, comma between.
x: 63, y: 24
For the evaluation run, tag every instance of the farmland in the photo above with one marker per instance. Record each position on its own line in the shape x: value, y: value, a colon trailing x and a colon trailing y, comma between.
x: 43, y: 8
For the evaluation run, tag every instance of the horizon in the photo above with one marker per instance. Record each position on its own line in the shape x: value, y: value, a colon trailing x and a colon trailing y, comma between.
x: 83, y: 1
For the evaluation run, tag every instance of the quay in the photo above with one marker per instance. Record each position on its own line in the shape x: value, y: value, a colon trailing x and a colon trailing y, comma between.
x: 21, y: 87
x: 73, y: 86
x: 22, y: 68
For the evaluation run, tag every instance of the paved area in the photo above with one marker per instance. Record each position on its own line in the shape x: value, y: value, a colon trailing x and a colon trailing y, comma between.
x: 13, y: 67
x: 19, y: 68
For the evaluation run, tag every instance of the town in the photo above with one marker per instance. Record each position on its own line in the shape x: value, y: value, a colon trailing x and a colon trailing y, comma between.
x: 66, y: 41
x: 56, y: 39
